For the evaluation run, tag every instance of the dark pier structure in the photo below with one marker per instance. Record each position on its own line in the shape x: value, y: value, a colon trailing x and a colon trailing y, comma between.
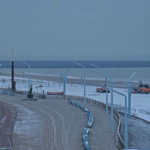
x: 13, y: 83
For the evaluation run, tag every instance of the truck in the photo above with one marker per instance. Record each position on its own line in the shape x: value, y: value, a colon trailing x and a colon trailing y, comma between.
x: 143, y: 89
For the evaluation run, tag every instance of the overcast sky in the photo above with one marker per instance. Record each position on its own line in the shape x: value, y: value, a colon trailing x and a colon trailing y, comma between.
x: 75, y: 29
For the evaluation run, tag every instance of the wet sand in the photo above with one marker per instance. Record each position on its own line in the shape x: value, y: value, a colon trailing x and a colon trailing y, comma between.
x: 72, y: 80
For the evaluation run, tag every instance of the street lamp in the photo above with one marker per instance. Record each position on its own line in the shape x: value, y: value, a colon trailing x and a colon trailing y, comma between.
x: 0, y: 66
x: 84, y: 80
x: 126, y: 121
x: 111, y: 96
x: 28, y: 73
x: 130, y: 94
x: 65, y: 80
x: 106, y: 86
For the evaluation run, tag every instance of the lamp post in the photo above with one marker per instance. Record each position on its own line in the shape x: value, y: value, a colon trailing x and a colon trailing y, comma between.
x: 28, y: 73
x: 65, y: 80
x: 0, y: 66
x: 111, y: 96
x: 84, y: 80
x: 126, y: 121
x: 106, y: 86
x: 130, y: 94
x: 63, y: 83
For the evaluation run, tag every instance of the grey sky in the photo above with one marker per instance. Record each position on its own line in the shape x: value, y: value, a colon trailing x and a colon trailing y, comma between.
x: 75, y: 29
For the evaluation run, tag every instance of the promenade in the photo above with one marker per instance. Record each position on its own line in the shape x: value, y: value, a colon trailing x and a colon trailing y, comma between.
x: 57, y: 125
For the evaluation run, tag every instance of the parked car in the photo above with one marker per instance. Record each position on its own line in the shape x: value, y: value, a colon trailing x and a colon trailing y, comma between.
x: 102, y: 90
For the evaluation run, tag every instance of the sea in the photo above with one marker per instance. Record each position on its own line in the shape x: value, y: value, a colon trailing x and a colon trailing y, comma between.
x: 118, y: 74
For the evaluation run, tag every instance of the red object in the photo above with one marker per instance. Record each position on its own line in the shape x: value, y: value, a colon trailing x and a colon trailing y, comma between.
x: 55, y: 93
x: 135, y: 92
x: 102, y: 90
x: 144, y: 90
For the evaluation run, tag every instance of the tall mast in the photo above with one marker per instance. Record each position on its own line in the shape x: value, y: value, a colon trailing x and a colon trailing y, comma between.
x: 12, y: 73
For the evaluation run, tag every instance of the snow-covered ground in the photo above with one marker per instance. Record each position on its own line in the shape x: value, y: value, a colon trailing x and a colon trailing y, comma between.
x: 140, y: 103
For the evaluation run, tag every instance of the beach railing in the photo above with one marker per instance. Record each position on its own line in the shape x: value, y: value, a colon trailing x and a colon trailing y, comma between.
x: 134, y: 111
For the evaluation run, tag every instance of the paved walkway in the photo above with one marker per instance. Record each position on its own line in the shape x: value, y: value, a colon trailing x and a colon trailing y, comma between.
x: 57, y: 125
x: 138, y: 133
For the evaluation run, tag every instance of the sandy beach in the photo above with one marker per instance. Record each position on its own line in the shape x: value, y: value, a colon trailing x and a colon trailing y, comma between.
x: 72, y: 80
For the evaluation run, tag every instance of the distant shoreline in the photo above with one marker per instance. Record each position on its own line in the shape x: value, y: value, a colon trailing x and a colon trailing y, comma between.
x: 69, y: 64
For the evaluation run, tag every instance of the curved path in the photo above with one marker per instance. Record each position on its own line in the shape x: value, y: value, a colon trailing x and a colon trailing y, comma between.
x: 53, y: 125
x: 57, y: 125
x: 7, y: 121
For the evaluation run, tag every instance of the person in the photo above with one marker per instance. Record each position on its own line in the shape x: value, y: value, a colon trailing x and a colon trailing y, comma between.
x: 43, y: 94
x: 30, y: 92
x: 30, y: 95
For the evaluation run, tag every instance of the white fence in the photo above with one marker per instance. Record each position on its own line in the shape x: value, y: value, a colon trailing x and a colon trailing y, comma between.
x: 134, y: 111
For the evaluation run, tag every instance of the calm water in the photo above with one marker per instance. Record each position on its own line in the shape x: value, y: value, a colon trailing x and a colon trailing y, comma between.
x: 142, y: 74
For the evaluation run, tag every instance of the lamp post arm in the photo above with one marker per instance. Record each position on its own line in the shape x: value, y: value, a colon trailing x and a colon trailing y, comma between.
x: 68, y: 70
x: 102, y: 74
x: 25, y: 63
x: 125, y: 83
x: 97, y: 67
x: 132, y: 75
x: 78, y: 64
x: 84, y: 80
x: 62, y: 75
x: 28, y: 73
